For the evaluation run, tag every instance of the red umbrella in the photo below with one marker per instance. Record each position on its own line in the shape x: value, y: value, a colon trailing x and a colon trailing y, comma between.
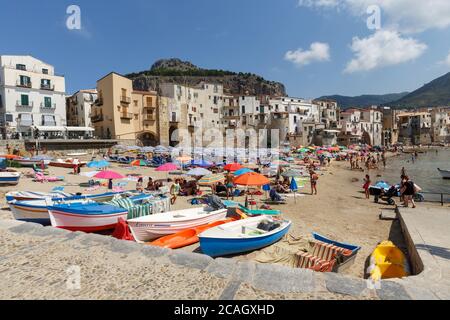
x: 108, y: 175
x: 233, y: 167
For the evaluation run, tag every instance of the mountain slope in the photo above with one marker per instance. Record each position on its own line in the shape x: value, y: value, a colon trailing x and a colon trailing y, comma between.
x: 346, y: 102
x: 186, y: 73
x: 434, y: 94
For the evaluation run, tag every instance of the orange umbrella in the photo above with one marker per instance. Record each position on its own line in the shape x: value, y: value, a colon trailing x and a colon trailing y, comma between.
x: 251, y: 179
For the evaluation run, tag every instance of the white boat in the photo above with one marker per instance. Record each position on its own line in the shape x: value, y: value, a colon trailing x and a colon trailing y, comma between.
x: 34, y: 195
x: 9, y: 178
x: 444, y: 173
x: 148, y: 228
x: 77, y: 154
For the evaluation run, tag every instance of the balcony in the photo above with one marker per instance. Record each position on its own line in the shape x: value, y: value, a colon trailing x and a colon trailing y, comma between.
x: 231, y: 117
x: 125, y: 99
x: 20, y: 105
x: 149, y: 117
x: 126, y: 115
x: 97, y: 118
x: 24, y: 84
x: 48, y: 87
x: 98, y: 102
x: 149, y: 107
x: 50, y: 106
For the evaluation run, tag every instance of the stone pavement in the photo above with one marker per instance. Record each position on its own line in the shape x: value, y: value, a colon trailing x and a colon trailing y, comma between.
x: 427, y: 233
x: 42, y: 263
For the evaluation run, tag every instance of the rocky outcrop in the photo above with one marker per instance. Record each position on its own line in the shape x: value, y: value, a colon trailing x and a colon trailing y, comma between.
x: 185, y: 73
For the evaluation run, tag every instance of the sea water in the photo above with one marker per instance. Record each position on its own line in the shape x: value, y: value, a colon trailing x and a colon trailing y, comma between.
x: 423, y: 171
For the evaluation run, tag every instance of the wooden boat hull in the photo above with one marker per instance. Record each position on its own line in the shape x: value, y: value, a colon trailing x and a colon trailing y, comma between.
x: 9, y: 178
x: 222, y: 246
x: 83, y: 219
x: 27, y: 213
x: 66, y: 165
x: 444, y: 173
x: 147, y: 229
x: 36, y: 210
x: 187, y: 237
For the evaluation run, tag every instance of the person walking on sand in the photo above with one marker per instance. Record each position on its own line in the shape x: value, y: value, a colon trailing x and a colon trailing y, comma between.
x: 174, y: 191
x: 366, y: 186
x: 408, y: 191
x: 314, y: 178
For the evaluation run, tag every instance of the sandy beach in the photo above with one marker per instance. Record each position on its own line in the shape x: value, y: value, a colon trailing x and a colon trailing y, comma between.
x: 340, y: 210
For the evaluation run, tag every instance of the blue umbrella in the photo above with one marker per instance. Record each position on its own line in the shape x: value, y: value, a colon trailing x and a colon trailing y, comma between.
x: 201, y: 163
x: 294, y: 187
x: 98, y: 164
x: 242, y: 171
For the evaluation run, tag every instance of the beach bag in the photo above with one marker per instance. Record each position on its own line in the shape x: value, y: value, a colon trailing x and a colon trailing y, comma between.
x: 122, y: 232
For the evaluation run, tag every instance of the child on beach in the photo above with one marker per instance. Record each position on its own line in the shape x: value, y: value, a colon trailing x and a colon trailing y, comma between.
x: 174, y: 191
x: 366, y: 186
x: 140, y: 185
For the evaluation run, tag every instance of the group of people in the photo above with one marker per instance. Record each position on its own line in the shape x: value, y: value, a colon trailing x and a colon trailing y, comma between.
x: 370, y: 161
x: 180, y: 187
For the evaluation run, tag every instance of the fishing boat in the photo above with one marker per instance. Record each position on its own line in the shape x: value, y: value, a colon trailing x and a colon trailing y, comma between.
x: 69, y: 163
x: 243, y: 236
x: 36, y: 210
x: 326, y: 255
x: 9, y: 178
x: 32, y: 195
x: 31, y: 163
x: 77, y: 154
x: 444, y: 173
x: 388, y: 261
x: 149, y: 228
x: 86, y: 217
x: 187, y: 237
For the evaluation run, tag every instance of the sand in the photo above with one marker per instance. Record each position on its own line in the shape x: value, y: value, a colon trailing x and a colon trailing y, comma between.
x: 340, y: 210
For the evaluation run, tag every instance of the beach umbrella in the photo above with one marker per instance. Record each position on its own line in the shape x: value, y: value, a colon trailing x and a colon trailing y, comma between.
x: 294, y: 188
x: 108, y: 175
x: 98, y: 164
x: 147, y: 149
x: 201, y: 163
x: 266, y: 188
x: 232, y: 167
x: 242, y: 171
x: 211, y: 179
x: 89, y: 174
x: 198, y: 172
x: 167, y: 167
x: 251, y: 179
x: 161, y: 149
x: 139, y: 163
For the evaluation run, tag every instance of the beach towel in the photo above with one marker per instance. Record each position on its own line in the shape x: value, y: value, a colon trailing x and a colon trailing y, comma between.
x: 122, y: 232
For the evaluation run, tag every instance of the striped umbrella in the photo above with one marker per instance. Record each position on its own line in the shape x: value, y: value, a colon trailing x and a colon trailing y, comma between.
x: 139, y: 163
x: 211, y: 179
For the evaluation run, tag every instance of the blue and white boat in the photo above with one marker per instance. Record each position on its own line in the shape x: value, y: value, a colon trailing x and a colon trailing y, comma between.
x: 37, y: 210
x: 9, y: 178
x: 243, y: 236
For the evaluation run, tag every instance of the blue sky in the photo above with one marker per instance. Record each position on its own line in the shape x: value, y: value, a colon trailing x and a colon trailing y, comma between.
x: 238, y: 35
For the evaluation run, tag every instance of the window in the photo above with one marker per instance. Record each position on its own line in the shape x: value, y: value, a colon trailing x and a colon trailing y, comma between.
x: 25, y: 81
x: 45, y: 71
x: 45, y: 84
x: 135, y: 103
x: 149, y: 101
x: 8, y: 117
x: 21, y: 67
x: 243, y: 109
x: 47, y: 102
x: 24, y: 100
